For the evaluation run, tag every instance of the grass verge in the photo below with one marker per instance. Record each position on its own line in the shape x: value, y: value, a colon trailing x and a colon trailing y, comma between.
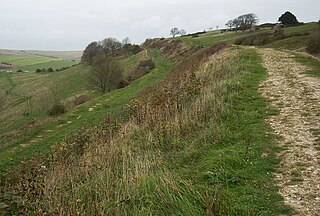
x: 311, y: 62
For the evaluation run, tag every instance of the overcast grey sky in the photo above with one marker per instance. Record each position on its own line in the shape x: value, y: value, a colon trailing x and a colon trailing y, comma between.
x: 71, y: 25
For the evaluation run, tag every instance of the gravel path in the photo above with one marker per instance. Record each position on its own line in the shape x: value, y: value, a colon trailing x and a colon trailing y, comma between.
x: 297, y: 97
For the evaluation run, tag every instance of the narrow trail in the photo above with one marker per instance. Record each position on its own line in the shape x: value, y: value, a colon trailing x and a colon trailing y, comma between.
x: 297, y: 97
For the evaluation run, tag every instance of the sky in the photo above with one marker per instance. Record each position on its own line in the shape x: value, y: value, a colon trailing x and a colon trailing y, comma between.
x: 72, y: 25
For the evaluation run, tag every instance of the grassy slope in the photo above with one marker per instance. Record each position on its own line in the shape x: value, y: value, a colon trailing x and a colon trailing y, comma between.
x: 54, y: 131
x: 292, y: 43
x: 217, y: 160
x: 241, y: 177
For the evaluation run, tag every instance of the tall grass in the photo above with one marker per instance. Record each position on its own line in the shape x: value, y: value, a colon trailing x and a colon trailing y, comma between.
x: 157, y: 162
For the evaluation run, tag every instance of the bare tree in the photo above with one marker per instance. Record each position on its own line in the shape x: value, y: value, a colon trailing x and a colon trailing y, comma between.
x: 182, y: 32
x: 236, y: 24
x: 110, y: 45
x: 126, y: 41
x: 105, y: 74
x: 247, y: 21
x: 229, y: 24
x: 174, y: 31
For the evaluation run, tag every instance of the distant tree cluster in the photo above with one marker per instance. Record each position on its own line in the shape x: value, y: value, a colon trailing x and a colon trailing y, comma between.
x: 50, y: 70
x: 108, y: 47
x: 243, y: 22
x: 175, y: 31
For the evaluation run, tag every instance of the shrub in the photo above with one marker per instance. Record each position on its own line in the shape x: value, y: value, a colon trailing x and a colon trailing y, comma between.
x: 143, y: 68
x: 253, y: 40
x: 50, y: 70
x: 38, y: 70
x: 313, y: 46
x: 56, y: 109
x: 81, y: 99
x: 279, y: 33
x: 43, y: 70
x: 123, y: 84
x: 19, y: 71
x: 147, y: 64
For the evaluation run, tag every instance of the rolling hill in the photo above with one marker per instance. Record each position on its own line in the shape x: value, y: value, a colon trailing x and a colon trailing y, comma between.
x: 188, y: 138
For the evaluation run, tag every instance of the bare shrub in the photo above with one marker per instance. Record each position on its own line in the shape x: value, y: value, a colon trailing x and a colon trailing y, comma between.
x: 313, y: 46
x: 81, y: 99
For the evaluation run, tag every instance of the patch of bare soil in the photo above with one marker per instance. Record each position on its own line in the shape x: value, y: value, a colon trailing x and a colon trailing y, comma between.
x: 297, y: 97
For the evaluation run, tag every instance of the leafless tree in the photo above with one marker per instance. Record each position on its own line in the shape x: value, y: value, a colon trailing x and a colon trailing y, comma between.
x: 174, y: 31
x: 105, y: 75
x: 126, y: 41
x: 247, y: 21
x: 229, y: 24
x: 182, y: 32
x: 236, y: 24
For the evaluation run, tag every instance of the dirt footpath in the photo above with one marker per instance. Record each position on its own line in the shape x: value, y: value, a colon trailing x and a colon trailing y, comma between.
x: 297, y: 97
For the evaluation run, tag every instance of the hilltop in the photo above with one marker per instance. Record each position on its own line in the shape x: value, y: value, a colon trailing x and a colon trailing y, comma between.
x: 196, y: 135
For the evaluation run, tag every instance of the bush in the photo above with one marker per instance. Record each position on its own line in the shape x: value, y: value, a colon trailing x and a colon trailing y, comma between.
x: 253, y: 40
x: 19, y: 71
x: 56, y: 109
x: 38, y: 70
x: 143, y: 68
x: 147, y: 64
x: 279, y: 33
x: 50, y: 70
x: 81, y: 99
x: 313, y: 46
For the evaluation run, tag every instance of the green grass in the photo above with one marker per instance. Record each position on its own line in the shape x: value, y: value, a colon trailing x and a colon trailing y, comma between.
x: 211, y: 156
x: 311, y: 62
x: 292, y: 43
x: 232, y: 159
x: 12, y: 154
x: 31, y: 63
x: 51, y: 64
x: 34, y: 93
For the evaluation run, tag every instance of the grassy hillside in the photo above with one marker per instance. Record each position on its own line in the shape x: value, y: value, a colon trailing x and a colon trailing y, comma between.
x: 188, y: 138
x: 190, y: 145
x: 26, y: 97
x: 23, y: 136
x: 297, y: 40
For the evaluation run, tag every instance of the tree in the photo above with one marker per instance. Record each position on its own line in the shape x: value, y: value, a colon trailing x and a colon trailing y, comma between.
x: 92, y: 50
x: 247, y: 21
x: 182, y: 32
x: 288, y: 19
x: 110, y: 45
x: 174, y: 31
x: 105, y: 74
x: 126, y: 41
x: 236, y: 24
x: 229, y: 24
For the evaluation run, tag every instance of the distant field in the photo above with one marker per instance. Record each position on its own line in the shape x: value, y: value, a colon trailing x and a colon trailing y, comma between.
x: 31, y: 63
x: 69, y: 55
